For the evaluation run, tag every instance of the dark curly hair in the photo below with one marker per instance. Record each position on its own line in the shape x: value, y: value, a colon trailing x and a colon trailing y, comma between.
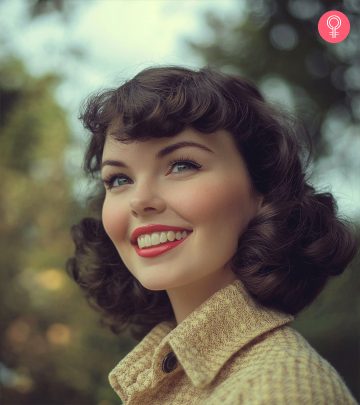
x: 289, y: 250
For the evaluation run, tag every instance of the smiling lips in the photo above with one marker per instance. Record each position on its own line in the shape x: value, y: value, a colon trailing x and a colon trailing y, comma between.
x: 157, y: 250
x: 153, y: 240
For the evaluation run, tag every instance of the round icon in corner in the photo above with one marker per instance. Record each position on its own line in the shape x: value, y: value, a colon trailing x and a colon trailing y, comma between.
x: 334, y: 26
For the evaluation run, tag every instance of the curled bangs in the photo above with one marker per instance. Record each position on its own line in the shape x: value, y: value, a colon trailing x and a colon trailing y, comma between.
x: 161, y: 102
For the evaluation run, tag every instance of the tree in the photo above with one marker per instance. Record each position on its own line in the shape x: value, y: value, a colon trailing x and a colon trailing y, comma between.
x: 47, y: 330
x: 279, y: 39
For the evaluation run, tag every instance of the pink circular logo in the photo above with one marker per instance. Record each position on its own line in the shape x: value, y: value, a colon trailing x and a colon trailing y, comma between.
x: 334, y: 26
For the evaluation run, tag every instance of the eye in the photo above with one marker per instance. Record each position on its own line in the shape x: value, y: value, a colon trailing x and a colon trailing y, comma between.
x: 182, y: 163
x: 120, y: 179
x: 114, y: 181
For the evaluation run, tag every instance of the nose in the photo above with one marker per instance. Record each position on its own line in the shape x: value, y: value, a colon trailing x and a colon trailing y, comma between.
x: 146, y: 201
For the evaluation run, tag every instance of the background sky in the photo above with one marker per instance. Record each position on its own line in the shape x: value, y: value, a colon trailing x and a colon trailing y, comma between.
x: 117, y: 38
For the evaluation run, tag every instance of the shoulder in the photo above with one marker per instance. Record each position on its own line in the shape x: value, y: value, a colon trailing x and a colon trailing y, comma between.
x: 283, y: 368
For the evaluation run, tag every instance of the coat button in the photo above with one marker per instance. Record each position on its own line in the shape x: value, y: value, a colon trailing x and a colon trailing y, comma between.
x: 169, y: 363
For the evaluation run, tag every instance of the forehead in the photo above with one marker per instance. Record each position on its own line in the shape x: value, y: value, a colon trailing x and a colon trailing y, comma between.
x: 220, y: 142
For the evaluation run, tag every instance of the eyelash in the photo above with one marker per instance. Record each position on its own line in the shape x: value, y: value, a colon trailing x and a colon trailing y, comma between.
x: 108, y: 181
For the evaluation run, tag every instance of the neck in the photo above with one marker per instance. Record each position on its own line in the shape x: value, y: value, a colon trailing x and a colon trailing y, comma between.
x: 185, y: 299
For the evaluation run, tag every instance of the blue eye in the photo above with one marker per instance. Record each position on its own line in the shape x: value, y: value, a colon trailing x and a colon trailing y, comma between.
x: 183, y: 165
x: 184, y: 162
x: 114, y: 181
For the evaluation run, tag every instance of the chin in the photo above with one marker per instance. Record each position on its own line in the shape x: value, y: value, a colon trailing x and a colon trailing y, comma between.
x: 154, y: 286
x: 155, y: 283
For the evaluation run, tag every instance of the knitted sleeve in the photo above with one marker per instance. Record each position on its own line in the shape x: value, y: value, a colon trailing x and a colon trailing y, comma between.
x: 295, y: 384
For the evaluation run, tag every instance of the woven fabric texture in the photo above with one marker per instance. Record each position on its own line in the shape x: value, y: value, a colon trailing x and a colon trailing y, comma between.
x: 230, y: 350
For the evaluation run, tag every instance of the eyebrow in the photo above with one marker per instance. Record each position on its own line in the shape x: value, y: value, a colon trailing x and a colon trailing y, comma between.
x: 163, y: 152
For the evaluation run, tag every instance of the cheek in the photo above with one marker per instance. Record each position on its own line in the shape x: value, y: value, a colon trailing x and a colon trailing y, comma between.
x: 218, y: 202
x: 113, y: 219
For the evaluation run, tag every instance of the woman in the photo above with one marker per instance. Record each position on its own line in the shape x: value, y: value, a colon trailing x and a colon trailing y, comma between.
x: 207, y: 241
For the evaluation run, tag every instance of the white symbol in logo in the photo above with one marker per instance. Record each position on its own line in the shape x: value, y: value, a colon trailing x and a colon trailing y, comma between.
x: 334, y: 33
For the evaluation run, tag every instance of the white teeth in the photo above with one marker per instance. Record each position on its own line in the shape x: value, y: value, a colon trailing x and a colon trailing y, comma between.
x: 171, y: 236
x: 157, y: 238
x: 163, y: 237
x: 147, y: 240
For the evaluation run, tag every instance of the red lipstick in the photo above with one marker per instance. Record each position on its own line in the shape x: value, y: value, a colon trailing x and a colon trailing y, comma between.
x: 158, y: 249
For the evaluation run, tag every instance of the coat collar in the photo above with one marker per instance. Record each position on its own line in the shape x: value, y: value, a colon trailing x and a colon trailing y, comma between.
x: 202, y: 342
x: 220, y: 327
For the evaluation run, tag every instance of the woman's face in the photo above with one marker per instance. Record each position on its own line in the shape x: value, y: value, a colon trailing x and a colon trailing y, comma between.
x: 210, y: 196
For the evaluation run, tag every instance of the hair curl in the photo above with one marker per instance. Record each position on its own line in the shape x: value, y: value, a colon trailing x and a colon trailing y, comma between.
x: 289, y: 250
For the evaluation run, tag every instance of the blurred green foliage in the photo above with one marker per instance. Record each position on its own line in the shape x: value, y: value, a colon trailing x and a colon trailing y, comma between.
x: 53, y: 350
x: 277, y: 42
